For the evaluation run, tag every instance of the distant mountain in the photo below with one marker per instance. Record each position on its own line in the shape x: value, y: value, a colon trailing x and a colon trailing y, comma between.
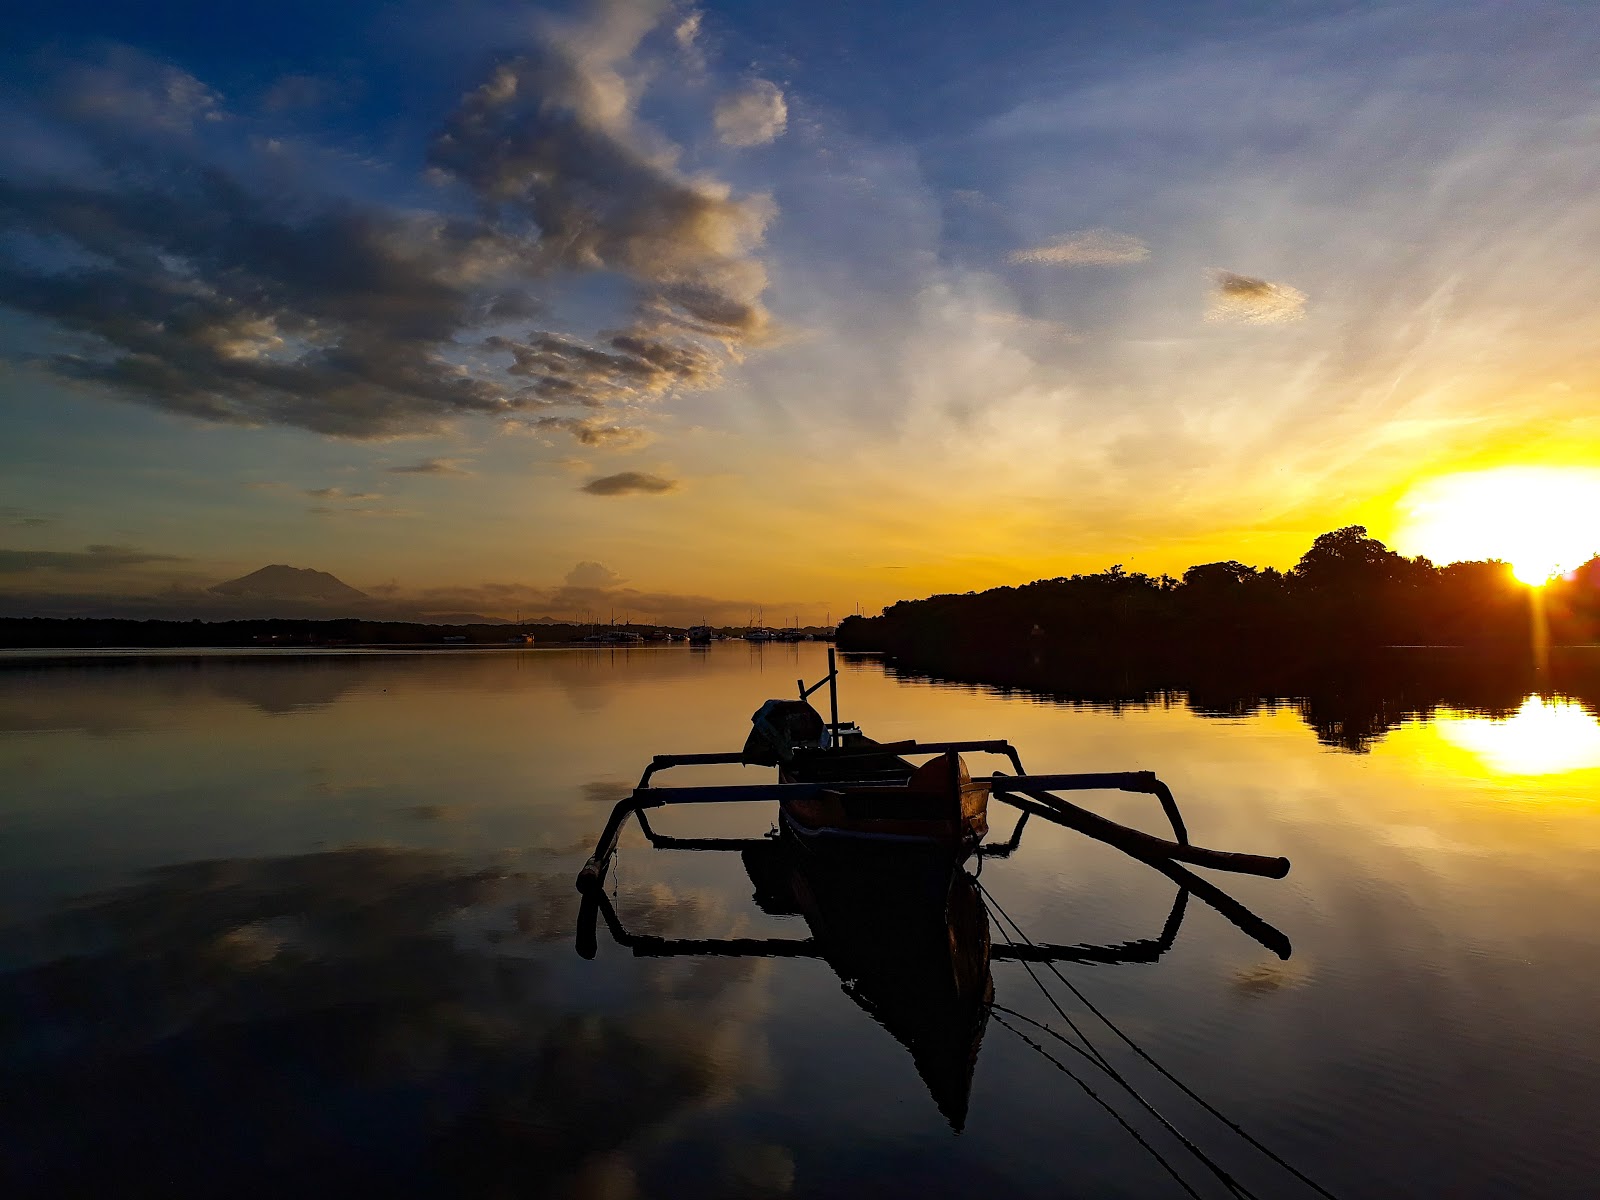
x: 287, y: 583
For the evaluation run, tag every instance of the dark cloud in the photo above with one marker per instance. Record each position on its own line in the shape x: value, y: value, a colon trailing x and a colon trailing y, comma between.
x: 625, y: 482
x: 634, y: 366
x: 211, y: 292
x: 432, y: 466
x: 87, y: 560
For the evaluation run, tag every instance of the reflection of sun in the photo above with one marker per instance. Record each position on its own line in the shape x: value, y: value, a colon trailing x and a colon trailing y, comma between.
x: 1542, y: 520
x: 1543, y: 738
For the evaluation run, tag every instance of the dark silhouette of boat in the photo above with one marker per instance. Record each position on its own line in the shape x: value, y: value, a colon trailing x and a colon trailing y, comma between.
x: 844, y: 795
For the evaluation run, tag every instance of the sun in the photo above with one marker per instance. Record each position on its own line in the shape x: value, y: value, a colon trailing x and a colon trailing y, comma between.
x: 1542, y: 520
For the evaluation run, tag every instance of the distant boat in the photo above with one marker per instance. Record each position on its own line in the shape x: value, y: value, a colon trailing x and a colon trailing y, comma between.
x: 760, y: 635
x: 614, y: 637
x: 521, y: 639
x: 701, y: 635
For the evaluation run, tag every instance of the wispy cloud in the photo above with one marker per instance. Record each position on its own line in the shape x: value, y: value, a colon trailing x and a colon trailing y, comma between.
x: 1087, y: 248
x: 323, y: 510
x: 595, y: 432
x: 88, y: 560
x: 593, y: 574
x: 1242, y: 300
x: 338, y: 493
x: 629, y: 482
x: 433, y: 466
x: 24, y: 518
x: 754, y: 115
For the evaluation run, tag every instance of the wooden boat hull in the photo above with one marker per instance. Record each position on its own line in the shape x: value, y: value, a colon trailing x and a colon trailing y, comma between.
x: 937, y: 812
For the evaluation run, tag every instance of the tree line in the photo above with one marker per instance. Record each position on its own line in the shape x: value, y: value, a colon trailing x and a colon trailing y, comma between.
x: 1348, y: 592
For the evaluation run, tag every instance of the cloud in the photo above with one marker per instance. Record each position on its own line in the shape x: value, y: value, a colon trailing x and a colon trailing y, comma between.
x: 296, y: 91
x: 322, y: 510
x: 593, y: 574
x: 1241, y: 300
x: 208, y: 282
x: 1087, y: 248
x: 634, y: 366
x: 338, y: 493
x: 87, y: 560
x: 433, y: 466
x: 753, y: 116
x: 127, y: 88
x: 627, y: 482
x: 687, y: 31
x: 595, y: 432
x: 23, y: 518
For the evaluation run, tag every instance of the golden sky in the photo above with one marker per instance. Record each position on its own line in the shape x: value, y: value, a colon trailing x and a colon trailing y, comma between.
x: 764, y: 327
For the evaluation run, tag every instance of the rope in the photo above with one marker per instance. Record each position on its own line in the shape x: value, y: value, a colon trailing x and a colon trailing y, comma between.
x: 1089, y: 1051
x: 1168, y: 1075
x: 1090, y: 1092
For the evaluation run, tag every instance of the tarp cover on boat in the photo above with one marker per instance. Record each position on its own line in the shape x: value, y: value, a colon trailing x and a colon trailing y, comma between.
x: 778, y: 726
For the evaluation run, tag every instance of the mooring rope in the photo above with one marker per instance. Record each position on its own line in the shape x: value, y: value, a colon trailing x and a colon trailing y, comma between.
x: 1142, y: 1053
x: 1093, y: 1095
x: 1093, y: 1054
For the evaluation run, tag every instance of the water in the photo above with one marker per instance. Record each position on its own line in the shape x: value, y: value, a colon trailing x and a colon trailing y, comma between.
x: 281, y: 922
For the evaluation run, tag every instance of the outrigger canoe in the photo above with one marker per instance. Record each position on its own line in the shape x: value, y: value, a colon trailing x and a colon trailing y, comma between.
x: 842, y: 794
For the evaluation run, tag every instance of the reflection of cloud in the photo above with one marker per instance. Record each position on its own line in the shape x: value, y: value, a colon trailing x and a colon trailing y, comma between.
x: 285, y: 993
x: 627, y: 482
x: 753, y: 116
x: 1089, y: 248
x: 1263, y: 979
x: 606, y: 791
x: 1245, y: 301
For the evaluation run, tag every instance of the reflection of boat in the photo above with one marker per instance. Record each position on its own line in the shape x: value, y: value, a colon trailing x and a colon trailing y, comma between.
x: 922, y: 973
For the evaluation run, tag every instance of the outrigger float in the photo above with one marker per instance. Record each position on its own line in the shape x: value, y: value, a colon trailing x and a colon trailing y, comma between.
x: 866, y: 805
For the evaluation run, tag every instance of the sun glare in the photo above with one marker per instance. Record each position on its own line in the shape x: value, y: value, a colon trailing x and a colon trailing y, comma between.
x: 1545, y: 737
x: 1542, y: 520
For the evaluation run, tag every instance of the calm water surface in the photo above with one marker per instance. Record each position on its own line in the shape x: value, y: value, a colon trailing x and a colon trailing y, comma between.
x: 279, y: 924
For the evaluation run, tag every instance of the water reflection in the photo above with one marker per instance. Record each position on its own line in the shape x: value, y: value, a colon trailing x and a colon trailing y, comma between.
x: 1349, y: 703
x: 917, y: 962
x: 360, y: 1018
x: 1544, y: 737
x: 323, y: 944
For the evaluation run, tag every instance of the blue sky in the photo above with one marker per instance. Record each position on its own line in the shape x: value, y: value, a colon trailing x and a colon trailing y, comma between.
x: 777, y: 305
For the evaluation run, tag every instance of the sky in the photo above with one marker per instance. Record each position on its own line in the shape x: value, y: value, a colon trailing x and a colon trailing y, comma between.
x: 687, y: 312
